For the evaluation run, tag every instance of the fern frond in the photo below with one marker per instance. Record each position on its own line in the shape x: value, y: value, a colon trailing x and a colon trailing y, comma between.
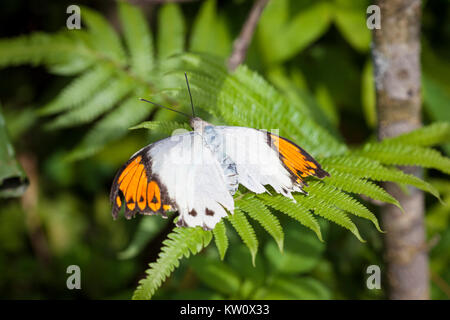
x: 220, y: 238
x: 259, y: 212
x: 408, y: 155
x: 335, y: 197
x: 334, y: 214
x: 79, y: 90
x: 245, y: 231
x: 42, y: 48
x: 353, y: 184
x: 245, y: 98
x: 102, y: 36
x: 372, y: 169
x: 171, y: 31
x: 431, y: 135
x: 181, y: 242
x: 138, y: 38
x: 165, y: 127
x: 294, y: 210
x: 110, y: 128
x: 101, y: 102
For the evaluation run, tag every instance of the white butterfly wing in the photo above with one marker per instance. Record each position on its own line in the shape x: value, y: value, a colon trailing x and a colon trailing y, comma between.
x: 193, y: 178
x: 263, y: 158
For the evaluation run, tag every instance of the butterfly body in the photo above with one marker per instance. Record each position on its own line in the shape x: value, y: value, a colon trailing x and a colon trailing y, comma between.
x: 196, y: 173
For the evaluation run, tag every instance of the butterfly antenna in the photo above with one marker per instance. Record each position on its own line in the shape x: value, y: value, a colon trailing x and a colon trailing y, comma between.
x: 190, y: 95
x: 158, y: 105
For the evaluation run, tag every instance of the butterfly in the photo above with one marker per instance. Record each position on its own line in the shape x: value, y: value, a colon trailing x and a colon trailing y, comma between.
x: 196, y: 173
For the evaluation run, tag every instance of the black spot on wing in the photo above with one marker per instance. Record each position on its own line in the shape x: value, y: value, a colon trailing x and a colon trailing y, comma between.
x: 209, y: 212
x: 181, y: 222
x: 193, y: 213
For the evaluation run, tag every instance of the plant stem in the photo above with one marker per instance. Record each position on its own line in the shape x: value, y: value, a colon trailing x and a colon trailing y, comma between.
x: 242, y: 43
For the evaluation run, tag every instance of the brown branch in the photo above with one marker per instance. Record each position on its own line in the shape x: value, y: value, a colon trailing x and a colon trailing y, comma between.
x: 396, y: 58
x: 242, y: 43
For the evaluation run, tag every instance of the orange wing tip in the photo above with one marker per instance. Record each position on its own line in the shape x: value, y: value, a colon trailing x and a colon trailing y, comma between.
x: 320, y: 173
x: 297, y: 160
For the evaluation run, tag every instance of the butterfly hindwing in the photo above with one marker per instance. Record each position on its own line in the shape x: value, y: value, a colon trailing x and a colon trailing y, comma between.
x: 178, y: 174
x: 137, y: 189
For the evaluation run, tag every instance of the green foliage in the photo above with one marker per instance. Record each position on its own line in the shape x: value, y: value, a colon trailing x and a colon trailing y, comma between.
x: 13, y: 180
x: 245, y: 231
x: 368, y: 99
x: 220, y: 238
x: 180, y: 243
x: 408, y: 155
x: 278, y: 30
x: 110, y: 77
x: 171, y: 31
x: 295, y: 211
x: 279, y: 36
x: 147, y: 230
x: 166, y: 127
x: 209, y: 33
x: 235, y: 99
x: 259, y: 212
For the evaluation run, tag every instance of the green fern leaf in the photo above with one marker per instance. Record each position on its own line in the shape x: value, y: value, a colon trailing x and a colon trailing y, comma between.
x: 165, y: 127
x: 79, y: 90
x: 368, y: 168
x: 294, y: 210
x: 245, y: 231
x: 335, y: 197
x: 220, y: 238
x: 259, y: 212
x: 110, y: 128
x: 171, y: 31
x: 434, y: 134
x: 323, y: 209
x: 101, y: 102
x: 408, y: 155
x: 102, y: 36
x: 353, y: 184
x: 138, y: 38
x: 41, y: 48
x: 181, y: 242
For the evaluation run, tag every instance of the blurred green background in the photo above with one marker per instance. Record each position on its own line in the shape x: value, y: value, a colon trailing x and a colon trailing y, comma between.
x: 314, y: 51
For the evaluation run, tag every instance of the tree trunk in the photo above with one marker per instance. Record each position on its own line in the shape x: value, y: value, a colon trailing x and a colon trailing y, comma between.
x: 396, y: 58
